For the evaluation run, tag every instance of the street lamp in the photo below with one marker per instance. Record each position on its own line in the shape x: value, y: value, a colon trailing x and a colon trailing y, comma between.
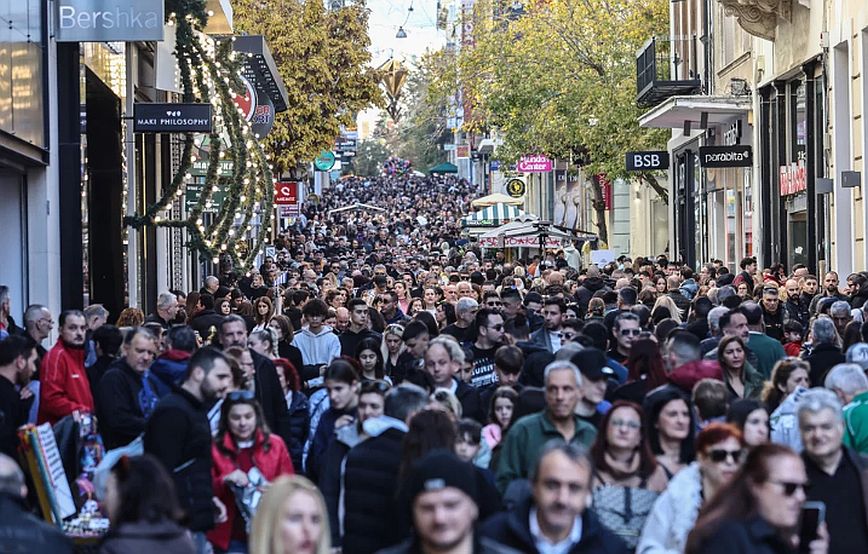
x: 401, y: 33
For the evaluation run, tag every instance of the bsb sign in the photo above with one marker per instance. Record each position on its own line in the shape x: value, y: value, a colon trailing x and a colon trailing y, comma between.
x: 740, y: 155
x: 647, y: 161
x: 109, y: 20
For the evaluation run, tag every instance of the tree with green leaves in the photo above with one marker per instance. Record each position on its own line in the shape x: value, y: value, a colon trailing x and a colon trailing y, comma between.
x: 561, y: 80
x: 322, y: 56
x: 369, y: 158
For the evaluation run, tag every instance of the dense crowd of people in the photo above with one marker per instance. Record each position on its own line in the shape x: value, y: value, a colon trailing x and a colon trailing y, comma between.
x: 380, y: 384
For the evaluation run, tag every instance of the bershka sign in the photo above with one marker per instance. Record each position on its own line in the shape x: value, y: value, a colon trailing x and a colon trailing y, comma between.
x: 534, y: 164
x: 647, y: 161
x: 171, y: 118
x: 740, y: 155
x: 108, y: 20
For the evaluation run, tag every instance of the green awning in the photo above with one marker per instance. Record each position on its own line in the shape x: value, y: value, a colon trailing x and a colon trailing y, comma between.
x: 444, y: 167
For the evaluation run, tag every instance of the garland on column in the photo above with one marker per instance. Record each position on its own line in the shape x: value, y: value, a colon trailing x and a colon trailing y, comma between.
x: 209, y: 72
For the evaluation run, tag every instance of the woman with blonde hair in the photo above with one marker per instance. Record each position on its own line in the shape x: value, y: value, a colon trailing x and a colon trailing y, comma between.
x: 291, y: 519
x: 671, y: 310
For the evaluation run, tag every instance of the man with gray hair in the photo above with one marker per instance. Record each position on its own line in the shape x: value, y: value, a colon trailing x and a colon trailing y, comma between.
x: 528, y: 435
x: 38, y: 324
x: 167, y: 309
x: 839, y: 311
x: 210, y: 285
x: 849, y: 383
x: 837, y: 474
x: 465, y: 314
x: 825, y: 349
x: 20, y: 530
x: 710, y: 343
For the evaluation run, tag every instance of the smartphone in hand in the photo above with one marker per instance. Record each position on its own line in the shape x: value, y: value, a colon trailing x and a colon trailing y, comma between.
x: 813, y: 514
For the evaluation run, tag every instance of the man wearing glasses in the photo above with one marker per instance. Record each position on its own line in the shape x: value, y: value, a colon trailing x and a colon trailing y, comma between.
x: 837, y: 474
x: 626, y: 329
x: 489, y: 336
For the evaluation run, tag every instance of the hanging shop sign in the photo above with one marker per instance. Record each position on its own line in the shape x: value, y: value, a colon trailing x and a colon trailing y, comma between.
x: 285, y: 192
x: 325, y: 161
x: 108, y: 20
x: 794, y: 178
x: 462, y: 151
x: 534, y: 164
x: 647, y: 161
x: 171, y: 118
x: 516, y: 188
x: 740, y: 155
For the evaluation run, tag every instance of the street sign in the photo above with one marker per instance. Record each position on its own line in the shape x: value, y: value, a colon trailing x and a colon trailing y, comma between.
x: 647, y: 161
x: 285, y: 192
x: 740, y: 155
x: 516, y: 188
x: 534, y: 164
x: 171, y: 118
x: 325, y: 161
x: 108, y: 21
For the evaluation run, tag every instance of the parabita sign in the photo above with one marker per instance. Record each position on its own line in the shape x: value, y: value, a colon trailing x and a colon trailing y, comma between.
x: 108, y: 20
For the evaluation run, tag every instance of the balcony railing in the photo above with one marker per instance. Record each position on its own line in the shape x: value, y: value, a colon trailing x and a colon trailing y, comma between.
x: 666, y: 67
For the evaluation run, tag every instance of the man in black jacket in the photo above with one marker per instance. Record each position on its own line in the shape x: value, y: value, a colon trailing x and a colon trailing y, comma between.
x: 179, y: 435
x: 557, y: 510
x: 206, y: 321
x: 17, y: 364
x: 371, y: 474
x: 20, y: 530
x: 269, y: 393
x: 358, y: 328
x: 126, y: 395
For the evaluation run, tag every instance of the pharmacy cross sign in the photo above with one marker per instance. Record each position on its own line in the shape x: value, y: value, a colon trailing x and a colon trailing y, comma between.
x: 171, y: 118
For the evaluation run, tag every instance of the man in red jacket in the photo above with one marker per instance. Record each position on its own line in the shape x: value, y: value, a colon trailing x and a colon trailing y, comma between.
x: 65, y: 388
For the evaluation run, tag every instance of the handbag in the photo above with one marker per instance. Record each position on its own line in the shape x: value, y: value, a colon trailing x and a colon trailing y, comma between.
x: 623, y: 510
x: 247, y: 498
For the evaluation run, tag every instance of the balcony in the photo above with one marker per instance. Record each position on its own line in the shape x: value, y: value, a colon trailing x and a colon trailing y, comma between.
x: 662, y: 70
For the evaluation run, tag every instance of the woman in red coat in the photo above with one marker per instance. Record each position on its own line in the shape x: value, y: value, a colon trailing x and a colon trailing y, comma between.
x: 242, y: 443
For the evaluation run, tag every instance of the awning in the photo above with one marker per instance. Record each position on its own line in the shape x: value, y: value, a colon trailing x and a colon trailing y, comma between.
x: 445, y: 167
x: 492, y: 216
x: 496, y: 198
x: 525, y: 232
x: 716, y: 110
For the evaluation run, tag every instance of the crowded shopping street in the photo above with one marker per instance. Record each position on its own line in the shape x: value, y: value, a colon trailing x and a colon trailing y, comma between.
x: 433, y: 277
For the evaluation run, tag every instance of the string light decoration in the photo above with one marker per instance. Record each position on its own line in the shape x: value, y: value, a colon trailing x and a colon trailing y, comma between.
x: 209, y: 71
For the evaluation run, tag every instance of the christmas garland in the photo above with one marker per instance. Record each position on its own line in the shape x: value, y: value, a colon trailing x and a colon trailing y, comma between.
x: 209, y: 72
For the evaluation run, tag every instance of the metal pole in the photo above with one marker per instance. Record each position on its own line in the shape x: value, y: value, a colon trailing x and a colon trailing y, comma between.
x: 132, y: 196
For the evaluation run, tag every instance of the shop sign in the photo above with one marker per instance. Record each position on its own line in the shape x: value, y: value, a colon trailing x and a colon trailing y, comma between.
x: 171, y: 118
x: 462, y: 151
x: 534, y: 164
x: 740, y: 155
x: 516, y: 188
x: 325, y: 161
x: 286, y: 192
x: 108, y: 20
x: 527, y: 241
x: 794, y: 178
x: 647, y: 161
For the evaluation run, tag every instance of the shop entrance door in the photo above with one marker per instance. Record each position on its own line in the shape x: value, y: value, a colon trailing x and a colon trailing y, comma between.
x: 797, y: 235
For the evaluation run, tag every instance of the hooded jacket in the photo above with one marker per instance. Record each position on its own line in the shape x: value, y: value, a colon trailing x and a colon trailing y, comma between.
x: 316, y: 348
x: 673, y: 515
x: 271, y: 460
x: 169, y: 369
x: 65, y: 387
x: 586, y: 291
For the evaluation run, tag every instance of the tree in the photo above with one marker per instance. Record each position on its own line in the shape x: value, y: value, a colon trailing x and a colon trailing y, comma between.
x: 369, y: 158
x: 561, y: 80
x: 323, y: 59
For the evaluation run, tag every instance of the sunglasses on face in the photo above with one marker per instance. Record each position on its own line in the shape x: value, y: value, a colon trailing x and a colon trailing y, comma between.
x: 790, y: 487
x: 718, y: 455
x: 498, y: 327
x: 630, y: 332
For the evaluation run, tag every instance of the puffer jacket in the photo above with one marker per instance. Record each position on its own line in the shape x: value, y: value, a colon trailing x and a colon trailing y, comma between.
x: 673, y: 515
x: 143, y: 537
x: 299, y: 420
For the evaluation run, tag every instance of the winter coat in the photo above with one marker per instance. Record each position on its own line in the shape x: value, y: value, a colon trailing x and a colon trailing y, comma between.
x: 512, y: 529
x: 350, y: 340
x: 324, y: 434
x: 784, y: 421
x: 753, y: 384
x: 316, y: 350
x: 169, y: 369
x: 272, y: 461
x: 681, y: 302
x: 858, y: 300
x: 751, y: 536
x: 205, y: 321
x: 542, y: 338
x: 317, y: 405
x: 299, y: 419
x: 144, y: 537
x: 471, y: 406
x: 586, y: 291
x: 481, y: 545
x: 65, y: 387
x: 370, y: 477
x: 673, y: 515
x: 536, y: 358
x: 269, y: 393
x: 768, y: 351
x: 331, y: 475
x: 119, y: 412
x: 179, y: 435
x: 527, y: 437
x: 687, y: 375
x: 24, y: 532
x: 823, y: 358
x: 856, y: 423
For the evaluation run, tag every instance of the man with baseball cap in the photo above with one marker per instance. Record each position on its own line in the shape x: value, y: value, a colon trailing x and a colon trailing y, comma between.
x: 443, y: 492
x: 596, y: 373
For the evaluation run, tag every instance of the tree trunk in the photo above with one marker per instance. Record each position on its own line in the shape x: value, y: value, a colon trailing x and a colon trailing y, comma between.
x: 599, y: 204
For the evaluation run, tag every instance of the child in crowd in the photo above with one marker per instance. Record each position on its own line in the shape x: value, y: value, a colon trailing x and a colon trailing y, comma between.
x: 793, y: 334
